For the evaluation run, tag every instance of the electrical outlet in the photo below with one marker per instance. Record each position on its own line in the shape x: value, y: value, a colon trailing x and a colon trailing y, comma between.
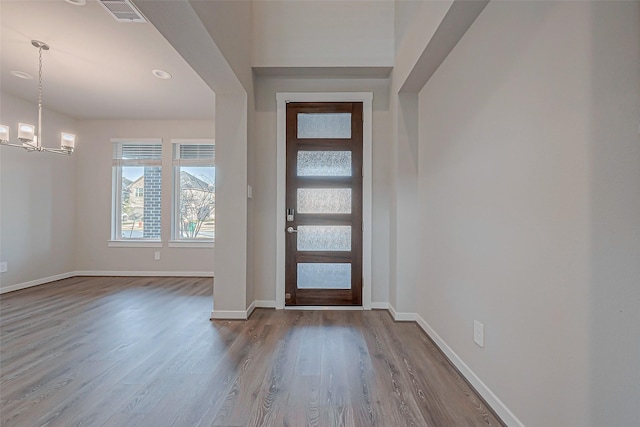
x: 156, y: 256
x: 3, y: 267
x: 478, y: 333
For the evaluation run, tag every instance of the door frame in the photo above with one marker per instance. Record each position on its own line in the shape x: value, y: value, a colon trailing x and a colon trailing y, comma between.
x: 282, y: 99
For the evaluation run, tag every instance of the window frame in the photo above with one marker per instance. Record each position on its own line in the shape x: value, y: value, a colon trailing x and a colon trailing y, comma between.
x: 176, y: 240
x: 116, y: 192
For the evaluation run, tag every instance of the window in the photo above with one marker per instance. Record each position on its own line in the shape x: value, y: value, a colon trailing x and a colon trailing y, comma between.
x: 194, y: 197
x: 137, y: 189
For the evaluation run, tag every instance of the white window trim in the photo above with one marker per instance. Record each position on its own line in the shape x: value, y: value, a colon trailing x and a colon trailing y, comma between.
x: 282, y: 99
x: 116, y: 205
x: 184, y: 243
x: 131, y: 243
x: 176, y: 242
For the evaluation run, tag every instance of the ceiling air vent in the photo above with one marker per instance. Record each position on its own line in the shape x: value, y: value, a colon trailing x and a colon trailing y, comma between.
x: 123, y: 10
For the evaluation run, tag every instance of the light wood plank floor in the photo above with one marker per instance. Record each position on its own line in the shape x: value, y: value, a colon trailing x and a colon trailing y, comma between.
x: 142, y: 352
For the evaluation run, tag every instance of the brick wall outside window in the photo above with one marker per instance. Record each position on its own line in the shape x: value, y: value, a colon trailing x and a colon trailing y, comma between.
x: 152, y: 202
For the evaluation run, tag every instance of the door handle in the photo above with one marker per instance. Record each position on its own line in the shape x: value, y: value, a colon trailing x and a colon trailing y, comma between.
x: 291, y: 230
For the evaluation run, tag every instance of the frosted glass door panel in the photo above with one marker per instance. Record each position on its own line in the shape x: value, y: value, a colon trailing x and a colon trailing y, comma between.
x: 324, y: 238
x: 324, y: 200
x: 324, y: 125
x: 324, y: 163
x: 324, y: 276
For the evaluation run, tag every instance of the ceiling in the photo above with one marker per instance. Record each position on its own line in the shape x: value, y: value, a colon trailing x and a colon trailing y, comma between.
x: 97, y: 68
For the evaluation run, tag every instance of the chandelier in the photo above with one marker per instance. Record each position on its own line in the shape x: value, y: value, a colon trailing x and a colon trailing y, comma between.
x: 28, y: 135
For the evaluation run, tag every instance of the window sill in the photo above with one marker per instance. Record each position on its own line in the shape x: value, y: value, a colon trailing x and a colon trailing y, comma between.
x: 190, y: 244
x: 134, y: 243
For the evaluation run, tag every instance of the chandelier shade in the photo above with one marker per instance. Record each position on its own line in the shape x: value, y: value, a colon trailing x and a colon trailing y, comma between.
x: 26, y: 132
x: 30, y: 136
x: 4, y: 133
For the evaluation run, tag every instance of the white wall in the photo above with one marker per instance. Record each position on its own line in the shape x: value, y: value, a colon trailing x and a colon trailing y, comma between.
x: 207, y: 45
x: 229, y: 24
x: 406, y: 263
x: 614, y: 184
x: 37, y: 199
x: 416, y: 22
x: 230, y: 291
x: 93, y: 223
x: 404, y: 13
x: 529, y: 193
x: 322, y: 33
x: 265, y: 175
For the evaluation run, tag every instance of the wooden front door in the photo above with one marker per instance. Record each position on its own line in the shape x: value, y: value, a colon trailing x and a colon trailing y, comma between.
x: 324, y: 204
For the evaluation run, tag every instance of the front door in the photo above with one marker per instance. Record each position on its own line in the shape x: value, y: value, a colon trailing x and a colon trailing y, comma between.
x: 324, y: 204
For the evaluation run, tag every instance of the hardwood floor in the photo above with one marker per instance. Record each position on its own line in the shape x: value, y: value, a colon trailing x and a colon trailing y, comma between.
x: 142, y: 352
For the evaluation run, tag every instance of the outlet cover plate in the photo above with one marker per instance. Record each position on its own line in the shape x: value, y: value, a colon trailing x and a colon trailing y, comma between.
x: 478, y: 333
x: 3, y: 267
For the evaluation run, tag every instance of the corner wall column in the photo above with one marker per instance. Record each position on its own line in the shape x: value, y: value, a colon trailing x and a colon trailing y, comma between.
x: 230, y: 283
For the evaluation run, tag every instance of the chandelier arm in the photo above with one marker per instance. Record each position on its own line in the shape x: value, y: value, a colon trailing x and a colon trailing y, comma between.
x: 55, y: 151
x: 13, y: 145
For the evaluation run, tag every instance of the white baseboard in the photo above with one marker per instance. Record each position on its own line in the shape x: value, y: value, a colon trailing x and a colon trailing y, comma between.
x: 229, y: 315
x: 252, y: 307
x: 146, y: 273
x: 492, y: 400
x: 265, y: 304
x: 405, y: 317
x: 401, y: 317
x: 392, y: 310
x: 242, y: 315
x: 236, y: 314
x: 380, y: 306
x: 37, y: 282
x: 324, y: 307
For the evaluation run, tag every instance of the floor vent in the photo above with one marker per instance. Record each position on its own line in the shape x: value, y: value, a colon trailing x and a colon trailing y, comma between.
x: 123, y: 10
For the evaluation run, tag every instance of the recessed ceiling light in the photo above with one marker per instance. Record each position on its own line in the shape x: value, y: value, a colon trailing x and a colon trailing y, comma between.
x: 161, y: 74
x: 22, y: 75
x: 77, y: 2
